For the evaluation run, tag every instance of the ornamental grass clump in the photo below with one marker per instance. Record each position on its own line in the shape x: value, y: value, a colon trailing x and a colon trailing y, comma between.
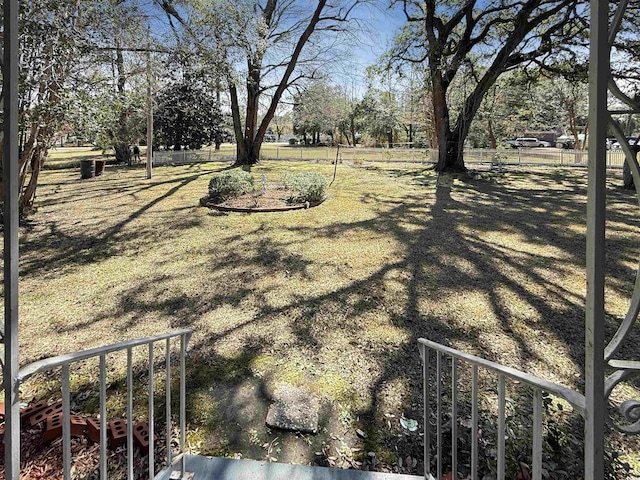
x: 229, y: 185
x: 305, y: 187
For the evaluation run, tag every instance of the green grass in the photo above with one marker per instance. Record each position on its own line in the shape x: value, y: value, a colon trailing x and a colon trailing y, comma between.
x: 332, y: 298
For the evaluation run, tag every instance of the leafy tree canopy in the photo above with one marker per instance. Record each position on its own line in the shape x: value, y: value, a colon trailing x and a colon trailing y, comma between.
x: 188, y: 113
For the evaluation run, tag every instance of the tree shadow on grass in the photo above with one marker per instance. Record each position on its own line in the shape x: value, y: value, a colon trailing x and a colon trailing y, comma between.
x: 479, y: 265
x: 61, y: 250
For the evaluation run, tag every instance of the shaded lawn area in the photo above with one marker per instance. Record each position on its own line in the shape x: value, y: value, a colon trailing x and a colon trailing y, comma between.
x: 332, y: 298
x: 68, y: 157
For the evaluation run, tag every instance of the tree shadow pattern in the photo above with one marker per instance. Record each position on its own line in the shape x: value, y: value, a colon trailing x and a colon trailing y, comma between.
x: 481, y: 265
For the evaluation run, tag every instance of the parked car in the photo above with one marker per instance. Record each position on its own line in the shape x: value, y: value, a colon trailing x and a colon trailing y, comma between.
x: 530, y: 142
x: 631, y: 140
x: 526, y: 142
x: 510, y: 143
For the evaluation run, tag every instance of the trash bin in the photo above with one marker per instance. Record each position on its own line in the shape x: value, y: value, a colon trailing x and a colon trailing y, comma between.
x: 100, y: 167
x: 87, y: 169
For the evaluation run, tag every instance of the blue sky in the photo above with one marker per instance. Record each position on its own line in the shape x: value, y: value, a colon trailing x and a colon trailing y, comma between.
x: 384, y: 23
x: 381, y: 24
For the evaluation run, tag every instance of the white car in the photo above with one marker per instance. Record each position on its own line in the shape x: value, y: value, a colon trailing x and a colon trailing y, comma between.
x: 617, y: 146
x: 530, y: 142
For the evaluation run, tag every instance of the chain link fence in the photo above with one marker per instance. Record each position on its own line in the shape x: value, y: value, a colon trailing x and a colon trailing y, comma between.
x: 524, y: 156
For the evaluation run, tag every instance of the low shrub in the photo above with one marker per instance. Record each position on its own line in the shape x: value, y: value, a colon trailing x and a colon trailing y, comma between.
x: 305, y: 187
x: 230, y: 184
x: 293, y: 141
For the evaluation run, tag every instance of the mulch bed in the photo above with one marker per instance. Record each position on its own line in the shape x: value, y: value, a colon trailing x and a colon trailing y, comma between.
x: 269, y: 199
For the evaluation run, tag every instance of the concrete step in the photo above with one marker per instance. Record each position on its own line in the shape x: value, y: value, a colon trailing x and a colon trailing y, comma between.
x: 206, y: 468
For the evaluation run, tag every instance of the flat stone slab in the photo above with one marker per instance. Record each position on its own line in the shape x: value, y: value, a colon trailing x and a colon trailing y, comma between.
x: 293, y: 409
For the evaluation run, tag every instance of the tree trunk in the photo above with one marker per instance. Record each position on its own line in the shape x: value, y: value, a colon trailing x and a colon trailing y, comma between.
x: 123, y: 155
x: 450, y: 153
x: 493, y: 144
x: 449, y: 141
x: 237, y: 124
x: 29, y: 192
x: 352, y: 127
x: 627, y: 178
x: 218, y: 137
x: 251, y: 140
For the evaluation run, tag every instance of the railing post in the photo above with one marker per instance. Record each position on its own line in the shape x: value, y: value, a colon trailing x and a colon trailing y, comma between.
x: 103, y: 418
x: 599, y: 74
x: 537, y: 435
x: 183, y: 406
x: 10, y: 180
x: 439, y: 413
x: 454, y: 417
x: 66, y: 423
x: 152, y: 455
x: 425, y: 395
x: 168, y: 400
x: 474, y: 424
x: 129, y: 413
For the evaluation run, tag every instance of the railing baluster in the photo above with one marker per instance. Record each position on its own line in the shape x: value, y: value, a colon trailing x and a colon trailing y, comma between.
x: 501, y: 427
x: 183, y: 406
x: 537, y: 434
x: 65, y: 361
x: 129, y: 413
x: 66, y: 423
x: 474, y: 424
x: 103, y: 419
x: 538, y: 385
x: 454, y: 417
x: 151, y: 417
x: 425, y: 396
x: 168, y: 400
x: 439, y: 412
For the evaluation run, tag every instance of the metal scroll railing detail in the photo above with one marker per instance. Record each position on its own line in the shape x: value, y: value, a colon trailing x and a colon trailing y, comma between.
x: 623, y: 370
x: 65, y: 362
x: 435, y: 358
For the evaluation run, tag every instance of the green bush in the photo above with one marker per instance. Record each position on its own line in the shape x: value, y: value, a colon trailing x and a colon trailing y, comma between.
x: 293, y: 141
x: 305, y: 187
x: 230, y: 184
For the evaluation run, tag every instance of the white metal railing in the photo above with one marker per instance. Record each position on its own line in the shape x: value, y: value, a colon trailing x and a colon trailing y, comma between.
x: 538, y: 386
x: 66, y: 361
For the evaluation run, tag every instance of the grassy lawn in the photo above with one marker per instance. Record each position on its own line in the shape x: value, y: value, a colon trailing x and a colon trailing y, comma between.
x: 332, y: 298
x: 61, y: 156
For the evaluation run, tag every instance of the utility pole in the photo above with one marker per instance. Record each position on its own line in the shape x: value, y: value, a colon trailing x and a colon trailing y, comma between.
x: 149, y: 115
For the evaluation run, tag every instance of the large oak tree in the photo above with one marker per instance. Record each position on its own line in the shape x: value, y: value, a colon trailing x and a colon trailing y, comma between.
x: 489, y: 37
x: 265, y: 46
